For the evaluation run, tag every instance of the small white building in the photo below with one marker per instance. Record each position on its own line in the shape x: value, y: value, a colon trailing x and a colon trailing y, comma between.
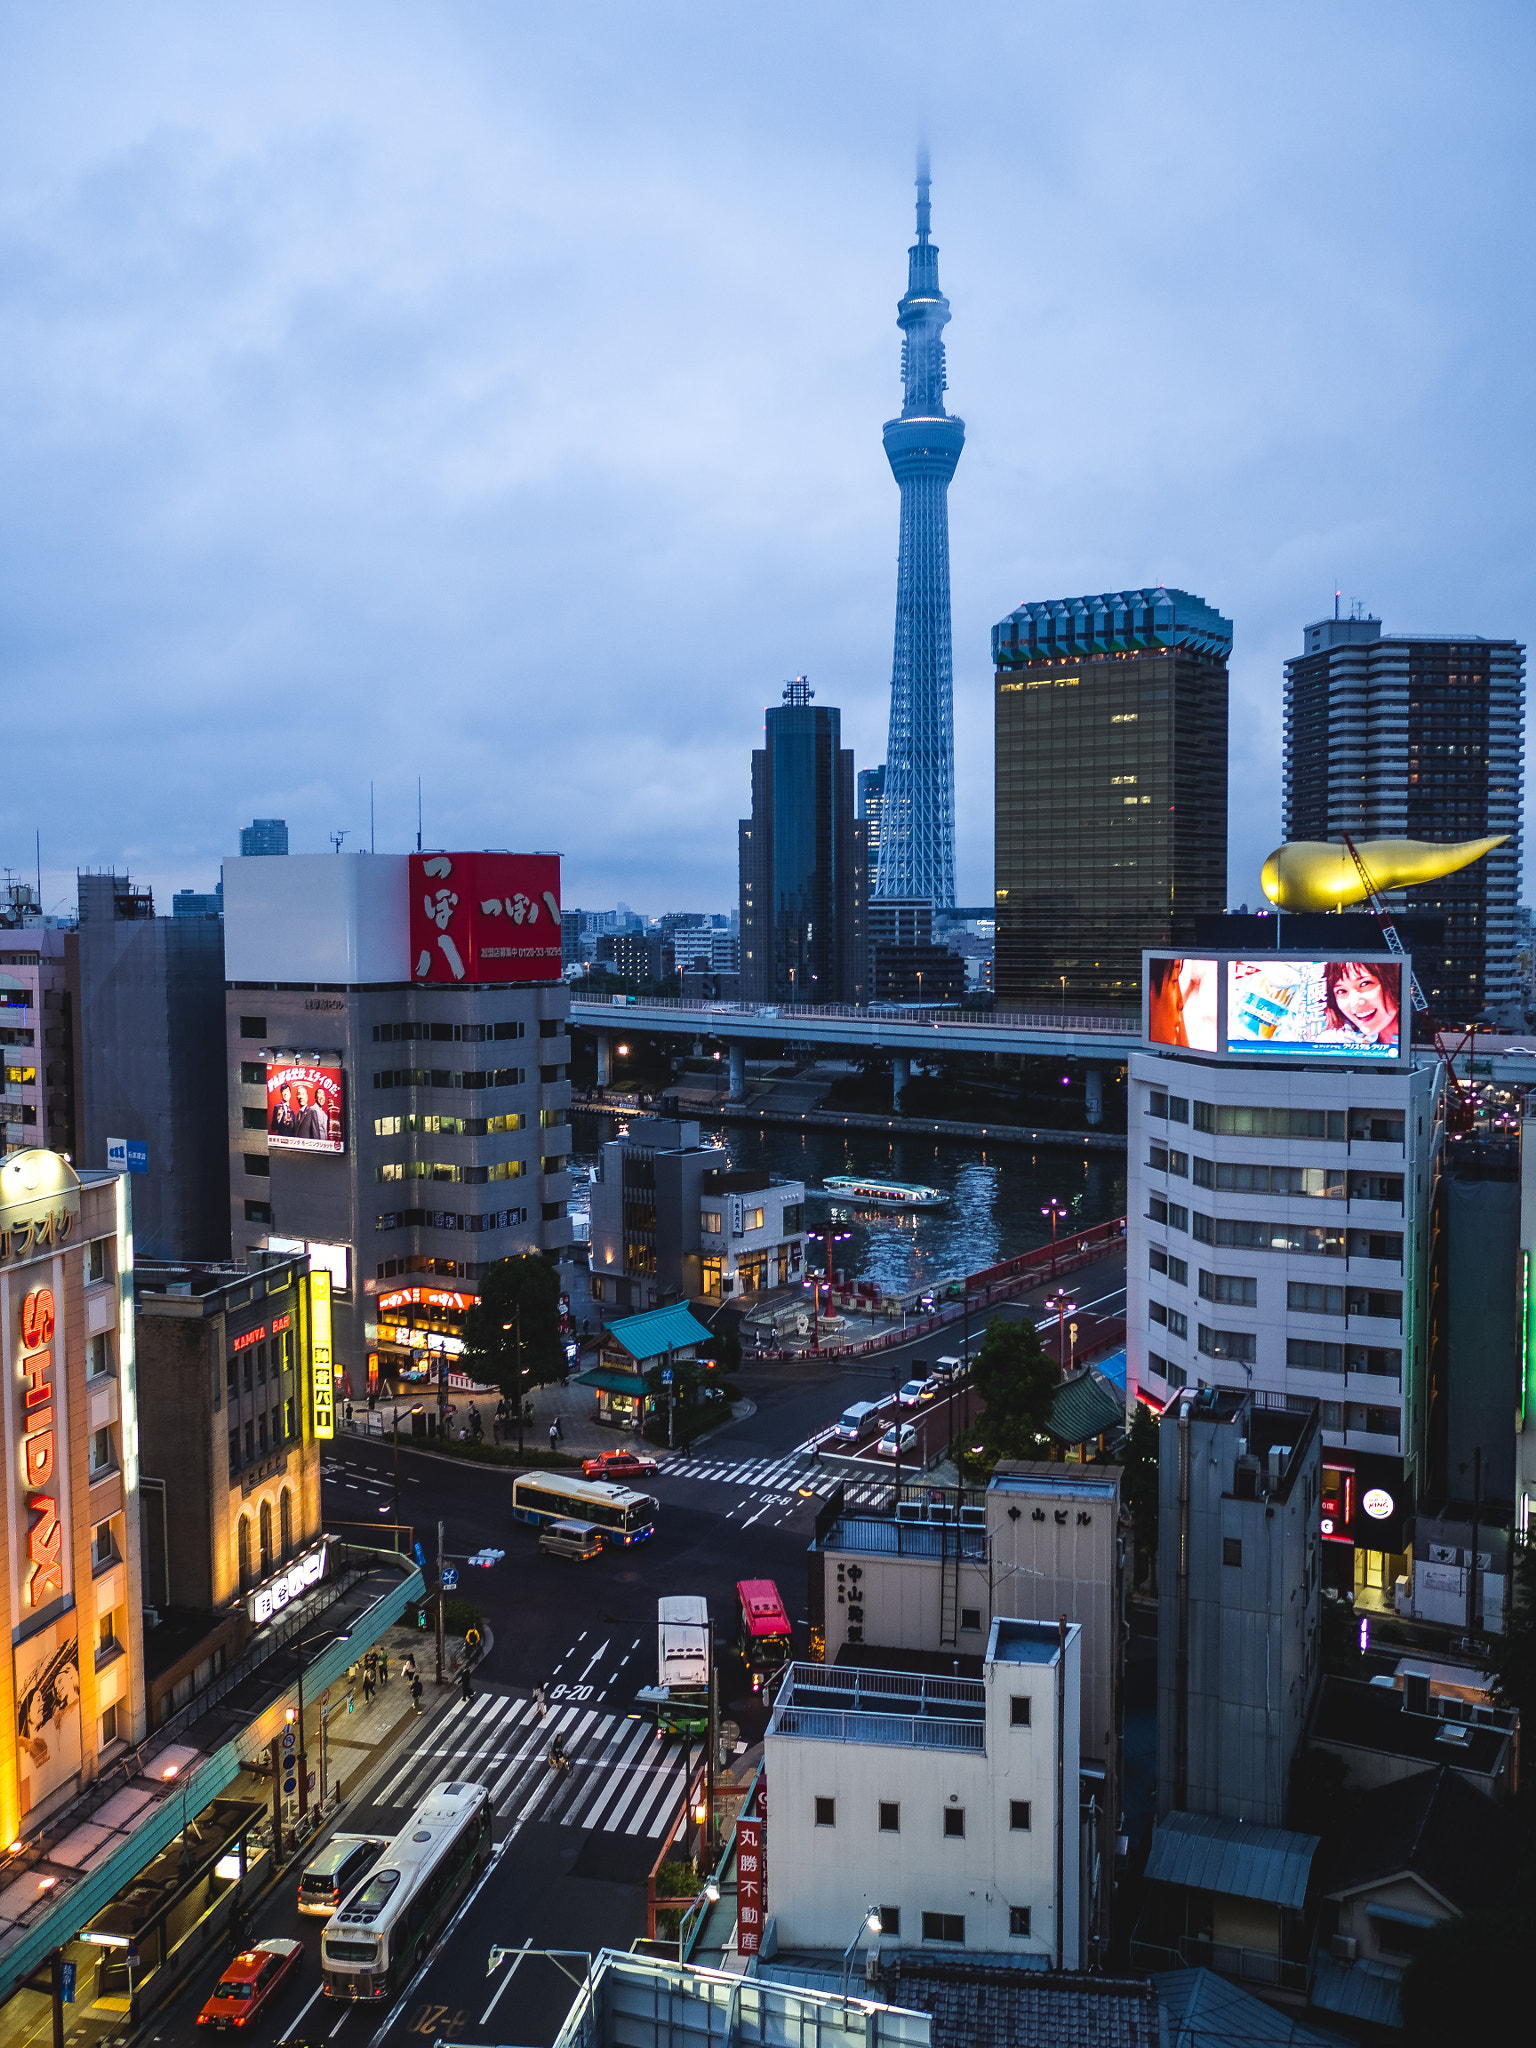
x: 950, y: 1804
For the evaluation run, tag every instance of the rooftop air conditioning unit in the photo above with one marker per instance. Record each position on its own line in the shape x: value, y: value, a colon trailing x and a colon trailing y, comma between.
x: 1342, y: 1948
x: 1457, y: 1733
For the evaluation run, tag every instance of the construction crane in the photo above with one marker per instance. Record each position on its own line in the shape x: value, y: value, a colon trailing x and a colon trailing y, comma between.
x: 1449, y: 1052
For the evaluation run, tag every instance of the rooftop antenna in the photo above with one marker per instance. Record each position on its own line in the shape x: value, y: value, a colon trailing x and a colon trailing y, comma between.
x: 418, y: 814
x: 372, y: 848
x: 39, y: 869
x: 1336, y: 597
x: 337, y: 838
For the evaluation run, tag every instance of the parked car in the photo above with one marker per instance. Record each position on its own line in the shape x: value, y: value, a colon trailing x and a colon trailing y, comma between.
x: 912, y: 1392
x: 888, y: 1446
x: 618, y: 1465
x: 250, y: 1982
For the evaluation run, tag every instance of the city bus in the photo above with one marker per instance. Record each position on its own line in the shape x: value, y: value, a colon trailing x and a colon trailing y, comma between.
x: 374, y: 1941
x: 622, y: 1516
x: 762, y: 1629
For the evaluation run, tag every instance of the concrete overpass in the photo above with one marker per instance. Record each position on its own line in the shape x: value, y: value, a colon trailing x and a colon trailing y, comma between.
x: 1097, y: 1041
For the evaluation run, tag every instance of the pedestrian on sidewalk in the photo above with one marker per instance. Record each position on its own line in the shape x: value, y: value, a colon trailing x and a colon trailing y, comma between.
x: 466, y: 1684
x: 538, y: 1701
x: 554, y: 1435
x: 368, y: 1687
x: 383, y: 1667
x: 559, y: 1429
x: 416, y: 1690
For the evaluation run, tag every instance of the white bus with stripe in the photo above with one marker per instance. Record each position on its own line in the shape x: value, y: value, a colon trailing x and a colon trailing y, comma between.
x: 373, y: 1942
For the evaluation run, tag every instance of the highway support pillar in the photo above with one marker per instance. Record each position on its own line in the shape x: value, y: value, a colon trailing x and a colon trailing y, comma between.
x: 1093, y: 1094
x: 901, y: 1074
x: 604, y: 1059
x: 738, y: 1073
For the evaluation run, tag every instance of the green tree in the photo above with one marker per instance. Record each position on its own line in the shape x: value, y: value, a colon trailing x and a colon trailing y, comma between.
x: 1139, y: 1486
x: 1017, y: 1383
x: 518, y: 1312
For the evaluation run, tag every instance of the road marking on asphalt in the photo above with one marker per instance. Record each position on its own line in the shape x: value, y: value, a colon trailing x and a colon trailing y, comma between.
x: 597, y: 1659
x: 338, y: 2026
x: 299, y: 2015
x: 516, y: 1964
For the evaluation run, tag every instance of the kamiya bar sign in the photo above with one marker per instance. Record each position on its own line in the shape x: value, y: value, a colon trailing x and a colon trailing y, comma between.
x: 39, y: 1435
x: 276, y: 1594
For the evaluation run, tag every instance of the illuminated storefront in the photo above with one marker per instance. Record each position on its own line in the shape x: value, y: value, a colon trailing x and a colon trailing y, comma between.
x: 74, y: 1682
x: 418, y: 1327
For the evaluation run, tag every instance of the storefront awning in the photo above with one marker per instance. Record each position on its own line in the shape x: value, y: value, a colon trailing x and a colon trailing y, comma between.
x: 612, y: 1382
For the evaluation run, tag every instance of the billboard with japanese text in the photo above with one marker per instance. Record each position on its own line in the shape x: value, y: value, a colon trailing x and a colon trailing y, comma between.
x: 304, y: 1107
x: 1348, y: 1009
x: 485, y: 917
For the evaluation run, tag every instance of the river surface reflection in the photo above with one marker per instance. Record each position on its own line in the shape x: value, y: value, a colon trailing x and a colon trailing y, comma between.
x: 996, y: 1194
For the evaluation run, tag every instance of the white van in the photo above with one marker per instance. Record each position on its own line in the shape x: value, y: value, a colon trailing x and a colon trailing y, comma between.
x: 578, y: 1540
x: 857, y: 1422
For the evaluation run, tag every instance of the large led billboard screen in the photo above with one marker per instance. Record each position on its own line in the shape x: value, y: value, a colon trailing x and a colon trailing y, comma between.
x: 1181, y: 1003
x: 485, y: 917
x: 1315, y: 1009
x: 304, y: 1107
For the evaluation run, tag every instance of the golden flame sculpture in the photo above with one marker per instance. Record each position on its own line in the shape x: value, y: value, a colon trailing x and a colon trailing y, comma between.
x: 1314, y: 874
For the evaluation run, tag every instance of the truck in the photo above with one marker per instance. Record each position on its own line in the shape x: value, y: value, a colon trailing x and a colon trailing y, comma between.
x: 680, y: 1697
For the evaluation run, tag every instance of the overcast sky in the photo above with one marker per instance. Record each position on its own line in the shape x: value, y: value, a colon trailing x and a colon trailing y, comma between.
x: 493, y: 392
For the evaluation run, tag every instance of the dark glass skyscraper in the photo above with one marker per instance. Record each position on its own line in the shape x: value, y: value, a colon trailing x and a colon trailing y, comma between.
x: 1419, y: 736
x: 803, y: 861
x: 917, y: 838
x: 1111, y: 789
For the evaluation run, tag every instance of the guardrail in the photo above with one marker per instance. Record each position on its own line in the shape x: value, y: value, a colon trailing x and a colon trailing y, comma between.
x: 890, y: 1731
x: 595, y: 1010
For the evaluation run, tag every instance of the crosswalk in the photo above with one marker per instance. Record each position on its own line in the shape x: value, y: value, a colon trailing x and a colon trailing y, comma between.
x: 778, y: 1477
x: 622, y: 1780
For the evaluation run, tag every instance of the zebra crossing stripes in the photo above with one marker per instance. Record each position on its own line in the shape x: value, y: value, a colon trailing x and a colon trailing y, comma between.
x: 621, y: 1781
x: 783, y: 1476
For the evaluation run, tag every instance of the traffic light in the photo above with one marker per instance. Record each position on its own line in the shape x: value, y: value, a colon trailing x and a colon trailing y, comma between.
x: 290, y: 1714
x: 421, y: 1617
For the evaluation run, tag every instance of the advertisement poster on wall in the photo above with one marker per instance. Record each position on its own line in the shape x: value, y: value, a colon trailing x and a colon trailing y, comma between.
x: 1181, y: 1003
x: 485, y: 917
x: 47, y: 1668
x: 304, y: 1107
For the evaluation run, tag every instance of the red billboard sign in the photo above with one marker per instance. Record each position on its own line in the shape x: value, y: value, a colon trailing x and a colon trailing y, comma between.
x: 304, y: 1107
x: 479, y: 917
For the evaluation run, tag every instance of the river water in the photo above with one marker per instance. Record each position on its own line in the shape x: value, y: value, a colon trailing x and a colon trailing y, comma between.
x: 996, y: 1194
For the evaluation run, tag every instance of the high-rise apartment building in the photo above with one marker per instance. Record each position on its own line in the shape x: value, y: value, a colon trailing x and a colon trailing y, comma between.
x: 1111, y: 789
x: 1419, y: 736
x: 37, y: 1078
x: 871, y: 786
x: 398, y: 1084
x: 917, y: 837
x: 803, y: 864
x: 146, y: 995
x: 263, y: 835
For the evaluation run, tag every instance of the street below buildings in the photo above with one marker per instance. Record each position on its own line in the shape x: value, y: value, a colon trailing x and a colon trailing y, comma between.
x: 571, y: 1853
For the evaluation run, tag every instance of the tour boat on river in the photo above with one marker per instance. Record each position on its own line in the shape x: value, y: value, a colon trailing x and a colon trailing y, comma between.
x: 866, y: 1191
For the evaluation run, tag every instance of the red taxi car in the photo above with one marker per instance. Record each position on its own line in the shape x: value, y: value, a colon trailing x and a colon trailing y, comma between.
x: 618, y: 1465
x: 250, y: 1981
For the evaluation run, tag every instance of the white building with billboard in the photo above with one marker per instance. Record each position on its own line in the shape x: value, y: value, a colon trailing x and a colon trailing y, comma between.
x: 950, y: 1805
x: 1281, y: 1167
x: 398, y: 1076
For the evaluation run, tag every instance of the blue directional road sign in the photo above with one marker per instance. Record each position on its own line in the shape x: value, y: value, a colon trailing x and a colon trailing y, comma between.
x: 450, y: 1577
x: 421, y: 1556
x: 666, y: 1376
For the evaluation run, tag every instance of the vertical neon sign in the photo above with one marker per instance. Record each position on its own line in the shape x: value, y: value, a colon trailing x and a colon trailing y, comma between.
x: 320, y: 1353
x: 45, y: 1538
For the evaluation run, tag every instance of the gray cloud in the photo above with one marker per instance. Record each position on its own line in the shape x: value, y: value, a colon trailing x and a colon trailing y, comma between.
x: 495, y: 395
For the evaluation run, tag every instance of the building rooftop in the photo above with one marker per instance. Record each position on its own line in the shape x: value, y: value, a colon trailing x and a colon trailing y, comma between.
x: 646, y: 2003
x: 1086, y: 1406
x: 1227, y: 1856
x: 1040, y: 1477
x: 1024, y: 1642
x: 1435, y: 1825
x: 1354, y: 1712
x: 1201, y: 2007
x: 208, y: 1290
x: 658, y: 1330
x: 985, y: 2001
x: 891, y: 1536
x: 896, y: 1709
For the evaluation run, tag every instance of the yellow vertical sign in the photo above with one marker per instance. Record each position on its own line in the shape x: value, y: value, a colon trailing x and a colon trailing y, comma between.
x: 321, y: 1374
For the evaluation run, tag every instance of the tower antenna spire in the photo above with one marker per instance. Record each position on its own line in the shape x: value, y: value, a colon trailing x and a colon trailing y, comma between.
x: 923, y: 219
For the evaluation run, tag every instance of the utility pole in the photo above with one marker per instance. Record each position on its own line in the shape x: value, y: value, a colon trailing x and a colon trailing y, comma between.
x: 517, y: 1324
x: 439, y: 1603
x: 707, y: 1834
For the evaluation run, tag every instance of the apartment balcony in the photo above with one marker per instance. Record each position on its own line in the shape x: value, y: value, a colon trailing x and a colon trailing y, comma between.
x: 895, y: 1709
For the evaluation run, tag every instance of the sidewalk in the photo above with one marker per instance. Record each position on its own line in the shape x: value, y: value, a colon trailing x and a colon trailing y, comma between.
x: 359, y: 1736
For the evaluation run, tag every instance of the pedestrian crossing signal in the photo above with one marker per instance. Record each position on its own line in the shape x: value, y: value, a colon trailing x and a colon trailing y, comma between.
x: 421, y: 1617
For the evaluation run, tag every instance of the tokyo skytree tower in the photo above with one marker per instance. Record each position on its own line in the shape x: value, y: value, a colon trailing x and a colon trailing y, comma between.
x: 917, y: 831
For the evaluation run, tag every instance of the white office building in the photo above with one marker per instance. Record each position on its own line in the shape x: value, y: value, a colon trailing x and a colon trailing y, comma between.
x: 1278, y: 1227
x: 948, y: 1804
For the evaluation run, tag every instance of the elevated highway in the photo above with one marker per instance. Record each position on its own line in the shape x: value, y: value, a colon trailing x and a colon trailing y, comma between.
x: 1098, y: 1041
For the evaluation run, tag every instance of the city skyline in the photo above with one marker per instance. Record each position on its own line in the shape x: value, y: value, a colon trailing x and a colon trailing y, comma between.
x: 304, y: 497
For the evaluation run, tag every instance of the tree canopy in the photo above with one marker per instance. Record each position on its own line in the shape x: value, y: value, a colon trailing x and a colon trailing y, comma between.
x: 518, y: 1310
x: 1018, y: 1383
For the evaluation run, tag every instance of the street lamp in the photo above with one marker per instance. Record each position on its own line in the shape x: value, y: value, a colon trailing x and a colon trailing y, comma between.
x: 1064, y: 1308
x: 870, y: 1924
x: 1055, y: 1210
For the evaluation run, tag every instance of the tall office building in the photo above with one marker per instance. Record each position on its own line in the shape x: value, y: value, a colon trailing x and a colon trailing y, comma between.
x: 917, y: 838
x: 871, y: 805
x: 1419, y: 736
x: 1111, y: 789
x: 802, y: 861
x: 146, y: 995
x: 263, y: 835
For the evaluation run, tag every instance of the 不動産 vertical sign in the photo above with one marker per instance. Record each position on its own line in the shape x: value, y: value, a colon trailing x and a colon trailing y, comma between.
x: 322, y: 1373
